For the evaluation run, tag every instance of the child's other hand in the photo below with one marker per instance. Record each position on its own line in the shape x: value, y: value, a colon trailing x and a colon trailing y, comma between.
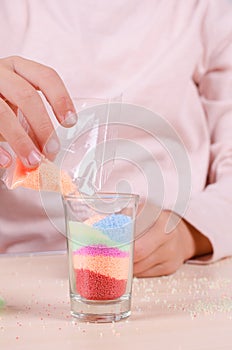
x: 159, y: 253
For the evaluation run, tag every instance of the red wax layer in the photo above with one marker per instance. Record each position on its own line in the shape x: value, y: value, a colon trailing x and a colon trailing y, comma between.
x: 94, y: 286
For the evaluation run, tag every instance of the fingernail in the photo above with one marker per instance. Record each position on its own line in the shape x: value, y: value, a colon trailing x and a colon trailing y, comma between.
x: 52, y: 146
x: 70, y: 119
x: 4, y: 160
x: 34, y: 158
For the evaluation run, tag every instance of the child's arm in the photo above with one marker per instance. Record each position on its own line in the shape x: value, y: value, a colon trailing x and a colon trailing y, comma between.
x: 205, y: 233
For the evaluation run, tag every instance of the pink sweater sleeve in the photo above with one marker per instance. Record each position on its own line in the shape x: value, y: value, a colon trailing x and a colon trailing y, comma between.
x: 211, y: 210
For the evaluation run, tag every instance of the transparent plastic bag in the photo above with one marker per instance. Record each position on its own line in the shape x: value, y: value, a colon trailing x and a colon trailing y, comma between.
x: 86, y: 156
x: 47, y: 177
x: 88, y: 149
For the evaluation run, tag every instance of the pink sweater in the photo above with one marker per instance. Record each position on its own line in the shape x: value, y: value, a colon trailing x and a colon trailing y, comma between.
x: 171, y: 57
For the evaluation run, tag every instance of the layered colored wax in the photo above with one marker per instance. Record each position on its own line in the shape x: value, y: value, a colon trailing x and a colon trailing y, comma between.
x: 101, y: 255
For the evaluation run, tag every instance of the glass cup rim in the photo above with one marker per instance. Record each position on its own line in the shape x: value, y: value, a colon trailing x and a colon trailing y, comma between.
x: 101, y: 195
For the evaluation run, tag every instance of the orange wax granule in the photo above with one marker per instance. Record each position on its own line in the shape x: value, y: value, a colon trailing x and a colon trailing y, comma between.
x: 46, y: 177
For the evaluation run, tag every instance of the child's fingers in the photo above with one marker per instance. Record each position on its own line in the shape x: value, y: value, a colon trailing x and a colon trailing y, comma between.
x: 160, y: 262
x: 23, y: 95
x: 5, y: 158
x: 149, y: 262
x: 18, y: 139
x: 48, y: 81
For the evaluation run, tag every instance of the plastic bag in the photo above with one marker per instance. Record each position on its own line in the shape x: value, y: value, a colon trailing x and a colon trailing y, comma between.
x: 86, y: 156
x: 46, y: 177
x: 88, y: 149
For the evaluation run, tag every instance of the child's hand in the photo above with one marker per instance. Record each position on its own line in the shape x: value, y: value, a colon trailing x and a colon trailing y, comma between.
x: 159, y: 253
x: 19, y: 81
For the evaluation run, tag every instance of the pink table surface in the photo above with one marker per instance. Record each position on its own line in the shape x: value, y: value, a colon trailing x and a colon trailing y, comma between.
x: 191, y: 309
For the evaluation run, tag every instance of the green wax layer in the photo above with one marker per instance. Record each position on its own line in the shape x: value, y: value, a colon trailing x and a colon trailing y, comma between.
x: 82, y: 235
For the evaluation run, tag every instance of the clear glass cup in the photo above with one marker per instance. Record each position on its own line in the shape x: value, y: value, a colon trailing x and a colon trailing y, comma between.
x: 100, y: 238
